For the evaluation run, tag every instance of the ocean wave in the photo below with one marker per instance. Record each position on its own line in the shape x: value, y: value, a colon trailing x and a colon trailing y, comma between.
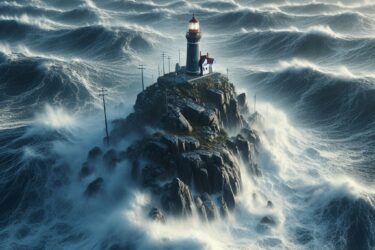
x: 334, y: 101
x: 25, y: 80
x: 248, y: 18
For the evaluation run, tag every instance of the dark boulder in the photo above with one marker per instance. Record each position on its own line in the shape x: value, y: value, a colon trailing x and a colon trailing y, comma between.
x: 269, y: 204
x: 229, y: 196
x: 94, y: 187
x: 215, y: 96
x: 152, y: 174
x: 201, y: 180
x: 175, y: 121
x: 86, y: 169
x: 244, y: 148
x: 154, y: 150
x: 94, y: 154
x: 110, y: 158
x: 156, y: 215
x: 172, y: 141
x: 250, y: 135
x: 207, y: 134
x: 192, y: 111
x: 201, y: 209
x: 223, y: 207
x: 209, y: 118
x: 176, y: 198
x: 188, y: 143
x: 187, y: 163
x: 210, y: 207
x: 268, y: 220
x: 241, y: 98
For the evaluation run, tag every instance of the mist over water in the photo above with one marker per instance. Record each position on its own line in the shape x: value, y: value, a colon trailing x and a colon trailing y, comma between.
x: 310, y: 63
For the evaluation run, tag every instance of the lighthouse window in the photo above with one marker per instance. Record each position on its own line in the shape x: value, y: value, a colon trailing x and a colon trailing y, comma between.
x: 193, y: 26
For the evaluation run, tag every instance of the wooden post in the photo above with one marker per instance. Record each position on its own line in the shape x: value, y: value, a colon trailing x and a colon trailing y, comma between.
x: 163, y: 56
x: 142, y: 67
x: 103, y: 94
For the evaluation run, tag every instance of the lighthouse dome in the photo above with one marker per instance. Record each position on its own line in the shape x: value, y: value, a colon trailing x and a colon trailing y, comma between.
x: 193, y: 25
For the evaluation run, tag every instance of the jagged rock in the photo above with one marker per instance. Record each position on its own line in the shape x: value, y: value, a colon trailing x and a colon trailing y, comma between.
x: 269, y: 204
x: 250, y: 135
x: 86, y: 170
x: 156, y: 215
x: 208, y: 134
x: 201, y: 209
x: 201, y: 180
x: 231, y: 143
x: 94, y: 154
x: 216, y: 96
x: 228, y: 196
x: 243, y: 147
x: 176, y: 122
x: 154, y: 150
x: 187, y: 163
x: 176, y: 198
x: 192, y: 111
x: 110, y: 158
x: 94, y: 187
x: 209, y: 118
x: 151, y: 174
x: 188, y: 143
x: 223, y: 207
x: 268, y: 220
x: 172, y: 141
x: 241, y: 98
x: 210, y: 206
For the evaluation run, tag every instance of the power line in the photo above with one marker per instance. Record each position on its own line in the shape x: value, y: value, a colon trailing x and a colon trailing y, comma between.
x: 142, y: 67
x: 103, y: 93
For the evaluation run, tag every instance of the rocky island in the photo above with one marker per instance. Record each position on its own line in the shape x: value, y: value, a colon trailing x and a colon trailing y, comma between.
x: 192, y: 137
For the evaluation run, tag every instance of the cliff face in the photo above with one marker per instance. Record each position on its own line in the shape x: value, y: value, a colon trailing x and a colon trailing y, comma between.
x: 191, y: 158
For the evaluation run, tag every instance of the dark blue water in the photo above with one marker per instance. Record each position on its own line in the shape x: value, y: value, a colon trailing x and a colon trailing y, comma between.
x: 310, y: 64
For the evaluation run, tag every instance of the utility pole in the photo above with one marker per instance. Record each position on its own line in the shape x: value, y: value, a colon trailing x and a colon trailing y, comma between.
x: 169, y: 63
x: 228, y: 74
x: 158, y: 70
x: 103, y: 93
x: 142, y: 67
x: 163, y: 56
x: 255, y: 103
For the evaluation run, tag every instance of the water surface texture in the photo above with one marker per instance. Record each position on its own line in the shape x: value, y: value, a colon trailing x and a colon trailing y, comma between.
x: 310, y: 63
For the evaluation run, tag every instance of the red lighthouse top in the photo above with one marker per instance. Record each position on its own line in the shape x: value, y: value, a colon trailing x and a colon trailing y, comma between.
x: 193, y: 25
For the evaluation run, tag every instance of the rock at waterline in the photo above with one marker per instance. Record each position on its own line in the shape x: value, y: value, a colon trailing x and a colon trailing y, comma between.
x: 94, y: 187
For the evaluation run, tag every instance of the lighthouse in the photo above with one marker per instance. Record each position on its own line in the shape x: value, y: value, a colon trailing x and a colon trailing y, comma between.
x: 193, y: 36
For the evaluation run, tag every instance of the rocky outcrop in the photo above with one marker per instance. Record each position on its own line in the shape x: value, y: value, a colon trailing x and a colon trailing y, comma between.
x: 176, y: 198
x: 184, y: 150
x: 94, y: 187
x: 156, y: 215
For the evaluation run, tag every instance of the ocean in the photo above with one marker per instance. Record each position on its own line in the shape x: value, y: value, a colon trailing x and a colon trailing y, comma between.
x: 309, y: 63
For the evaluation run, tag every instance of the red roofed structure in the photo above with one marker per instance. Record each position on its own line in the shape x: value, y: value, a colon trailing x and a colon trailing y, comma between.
x: 206, y: 64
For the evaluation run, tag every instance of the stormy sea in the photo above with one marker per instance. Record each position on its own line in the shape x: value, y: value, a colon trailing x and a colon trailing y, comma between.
x: 308, y: 62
